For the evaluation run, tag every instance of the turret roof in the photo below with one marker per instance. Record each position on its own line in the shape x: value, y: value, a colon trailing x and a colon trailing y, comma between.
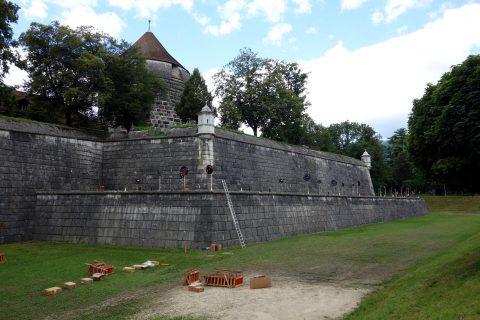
x: 152, y: 49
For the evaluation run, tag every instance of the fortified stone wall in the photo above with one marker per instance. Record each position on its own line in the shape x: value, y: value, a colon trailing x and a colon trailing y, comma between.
x: 54, y: 161
x: 163, y: 110
x: 178, y: 219
x: 254, y: 164
x: 245, y: 163
x: 36, y: 161
x: 149, y: 164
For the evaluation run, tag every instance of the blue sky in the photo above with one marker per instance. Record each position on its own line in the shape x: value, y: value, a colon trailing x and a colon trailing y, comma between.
x: 367, y: 59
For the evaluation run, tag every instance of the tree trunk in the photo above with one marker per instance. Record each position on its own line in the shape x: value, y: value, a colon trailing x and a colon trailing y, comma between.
x: 254, y: 131
x: 68, y: 117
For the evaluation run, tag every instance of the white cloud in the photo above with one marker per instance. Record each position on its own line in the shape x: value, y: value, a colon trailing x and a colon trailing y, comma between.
x: 35, y: 9
x: 74, y: 3
x: 377, y: 16
x: 273, y: 10
x: 402, y: 30
x: 440, y: 10
x: 311, y: 30
x: 147, y: 8
x: 303, y: 6
x: 352, y: 4
x: 379, y: 82
x: 230, y: 14
x: 16, y: 76
x: 107, y: 22
x: 394, y: 8
x: 276, y: 34
x: 233, y: 12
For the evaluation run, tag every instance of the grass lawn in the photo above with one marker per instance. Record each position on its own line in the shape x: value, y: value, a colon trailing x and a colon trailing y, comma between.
x: 438, y: 257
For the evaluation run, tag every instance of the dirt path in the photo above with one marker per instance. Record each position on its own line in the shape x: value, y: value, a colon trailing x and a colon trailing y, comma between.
x: 287, y: 299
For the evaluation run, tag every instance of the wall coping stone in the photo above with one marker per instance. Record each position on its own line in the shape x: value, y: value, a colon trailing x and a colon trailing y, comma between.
x: 218, y: 192
x: 45, y: 130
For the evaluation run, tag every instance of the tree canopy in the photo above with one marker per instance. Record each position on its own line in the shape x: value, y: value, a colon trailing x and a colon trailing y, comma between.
x: 133, y: 88
x: 8, y: 15
x: 195, y: 96
x: 444, y: 139
x: 266, y: 95
x: 400, y: 167
x: 79, y: 70
x: 352, y: 139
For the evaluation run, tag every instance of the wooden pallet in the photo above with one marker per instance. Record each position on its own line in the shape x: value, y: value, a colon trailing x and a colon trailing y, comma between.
x: 190, y: 276
x: 100, y: 267
x: 224, y: 279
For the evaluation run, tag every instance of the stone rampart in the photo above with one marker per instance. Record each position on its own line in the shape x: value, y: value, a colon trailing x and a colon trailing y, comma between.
x: 141, y: 177
x: 255, y: 164
x: 196, y: 218
x: 36, y: 161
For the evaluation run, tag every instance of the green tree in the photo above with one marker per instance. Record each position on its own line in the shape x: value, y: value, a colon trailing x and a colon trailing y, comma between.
x: 352, y: 139
x: 195, y: 96
x: 133, y: 88
x: 7, y: 99
x: 8, y: 15
x: 65, y: 67
x: 77, y: 71
x: 315, y: 135
x: 268, y: 95
x: 444, y: 139
x: 230, y: 115
x: 400, y: 168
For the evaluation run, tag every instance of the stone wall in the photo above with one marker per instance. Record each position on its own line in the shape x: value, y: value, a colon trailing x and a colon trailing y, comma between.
x: 256, y: 164
x: 192, y: 218
x: 163, y: 110
x: 150, y: 164
x: 35, y: 161
x: 246, y: 163
x: 67, y: 169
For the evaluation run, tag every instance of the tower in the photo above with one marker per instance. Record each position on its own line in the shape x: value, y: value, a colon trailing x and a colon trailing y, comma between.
x: 171, y: 72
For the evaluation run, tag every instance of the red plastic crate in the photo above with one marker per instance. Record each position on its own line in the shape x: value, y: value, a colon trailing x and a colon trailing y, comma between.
x: 100, y: 267
x: 224, y: 279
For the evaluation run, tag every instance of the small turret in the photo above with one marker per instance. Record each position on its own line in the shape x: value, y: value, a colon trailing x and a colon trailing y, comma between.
x: 367, y: 159
x: 205, y: 121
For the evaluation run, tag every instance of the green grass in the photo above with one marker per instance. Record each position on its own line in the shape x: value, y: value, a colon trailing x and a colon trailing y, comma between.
x: 444, y: 286
x: 437, y: 255
x: 144, y: 128
x: 182, y: 125
x: 26, y: 120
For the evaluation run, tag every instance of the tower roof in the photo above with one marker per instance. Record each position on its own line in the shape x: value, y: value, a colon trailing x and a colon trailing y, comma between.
x: 152, y: 49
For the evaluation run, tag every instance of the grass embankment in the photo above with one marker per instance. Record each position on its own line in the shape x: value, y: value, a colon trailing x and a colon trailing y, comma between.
x: 445, y: 286
x: 461, y: 204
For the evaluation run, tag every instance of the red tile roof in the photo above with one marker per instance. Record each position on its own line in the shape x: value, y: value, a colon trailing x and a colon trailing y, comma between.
x: 152, y: 49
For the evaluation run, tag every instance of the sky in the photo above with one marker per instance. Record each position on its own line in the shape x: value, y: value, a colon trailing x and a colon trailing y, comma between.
x: 367, y: 60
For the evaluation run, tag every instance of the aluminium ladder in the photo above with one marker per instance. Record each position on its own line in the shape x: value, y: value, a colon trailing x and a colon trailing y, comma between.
x: 234, y: 216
